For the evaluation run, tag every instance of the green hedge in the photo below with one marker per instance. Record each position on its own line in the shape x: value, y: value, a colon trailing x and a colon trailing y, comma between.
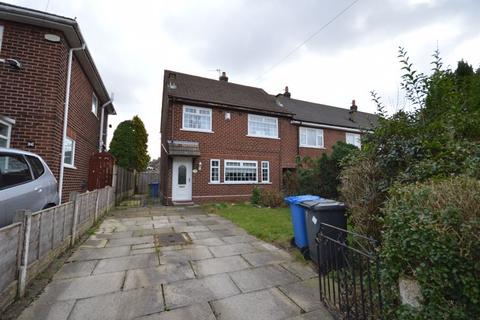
x: 433, y: 236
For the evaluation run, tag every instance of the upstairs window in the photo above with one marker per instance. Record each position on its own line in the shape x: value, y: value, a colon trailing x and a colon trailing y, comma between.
x: 5, y: 133
x: 1, y: 37
x: 311, y: 138
x: 261, y: 126
x: 353, y: 138
x: 240, y: 171
x: 69, y: 159
x: 94, y: 104
x: 197, y: 119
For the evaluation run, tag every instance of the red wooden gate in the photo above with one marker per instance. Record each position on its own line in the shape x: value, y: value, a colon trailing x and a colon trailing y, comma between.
x: 100, y: 170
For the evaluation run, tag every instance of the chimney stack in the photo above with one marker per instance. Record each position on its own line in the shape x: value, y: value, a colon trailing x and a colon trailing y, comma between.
x: 172, y: 77
x: 286, y: 94
x: 353, y: 107
x: 223, y: 77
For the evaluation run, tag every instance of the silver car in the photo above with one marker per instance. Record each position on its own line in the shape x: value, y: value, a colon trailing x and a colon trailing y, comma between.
x: 26, y: 182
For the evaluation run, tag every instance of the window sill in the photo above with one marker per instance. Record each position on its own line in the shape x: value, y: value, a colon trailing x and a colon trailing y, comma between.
x: 265, y: 137
x: 69, y: 166
x: 237, y: 183
x: 200, y: 131
x: 312, y: 147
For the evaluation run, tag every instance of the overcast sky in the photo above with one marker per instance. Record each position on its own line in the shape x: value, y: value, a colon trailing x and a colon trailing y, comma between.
x: 132, y: 42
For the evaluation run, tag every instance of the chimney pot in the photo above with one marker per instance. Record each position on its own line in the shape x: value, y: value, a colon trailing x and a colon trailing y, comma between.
x: 287, y: 93
x: 353, y: 107
x: 223, y: 77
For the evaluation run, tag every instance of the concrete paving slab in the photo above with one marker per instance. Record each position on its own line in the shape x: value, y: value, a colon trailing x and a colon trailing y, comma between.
x: 126, y: 263
x: 184, y: 293
x: 222, y: 226
x: 219, y: 265
x: 129, y: 241
x: 239, y: 239
x: 94, y: 243
x: 232, y: 249
x: 265, y: 246
x: 111, y: 235
x: 320, y: 314
x: 202, y: 235
x: 119, y: 305
x: 301, y: 270
x: 99, y: 253
x: 83, y: 287
x: 191, y: 229
x: 150, y: 277
x: 305, y: 294
x: 267, y: 304
x: 262, y: 278
x: 182, y: 255
x: 209, y: 242
x: 76, y: 269
x: 53, y: 311
x: 143, y: 246
x: 148, y: 232
x: 265, y: 257
x: 143, y: 251
x: 199, y: 311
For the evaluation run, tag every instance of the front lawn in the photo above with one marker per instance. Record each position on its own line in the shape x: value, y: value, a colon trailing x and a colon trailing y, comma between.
x: 269, y: 224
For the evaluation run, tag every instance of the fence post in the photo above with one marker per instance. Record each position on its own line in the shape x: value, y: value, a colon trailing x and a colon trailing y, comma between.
x: 96, y: 207
x: 76, y: 207
x: 108, y: 200
x: 26, y: 217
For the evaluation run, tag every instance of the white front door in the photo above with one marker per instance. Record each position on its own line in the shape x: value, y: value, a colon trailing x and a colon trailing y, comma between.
x: 182, y: 179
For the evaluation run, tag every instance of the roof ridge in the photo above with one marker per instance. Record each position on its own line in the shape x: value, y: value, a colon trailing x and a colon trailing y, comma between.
x: 326, y: 105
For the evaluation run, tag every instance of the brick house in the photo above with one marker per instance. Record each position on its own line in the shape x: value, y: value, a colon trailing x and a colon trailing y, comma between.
x: 219, y: 139
x: 33, y: 89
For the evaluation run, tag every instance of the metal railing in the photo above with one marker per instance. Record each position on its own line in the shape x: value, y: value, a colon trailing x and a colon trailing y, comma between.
x: 349, y: 273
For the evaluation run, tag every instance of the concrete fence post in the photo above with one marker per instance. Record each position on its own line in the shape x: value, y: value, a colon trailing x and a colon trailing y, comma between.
x: 108, y: 201
x: 26, y: 217
x: 95, y: 218
x: 74, y: 196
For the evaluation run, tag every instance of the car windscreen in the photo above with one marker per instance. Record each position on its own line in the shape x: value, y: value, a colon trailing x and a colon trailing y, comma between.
x: 36, y: 165
x: 14, y: 170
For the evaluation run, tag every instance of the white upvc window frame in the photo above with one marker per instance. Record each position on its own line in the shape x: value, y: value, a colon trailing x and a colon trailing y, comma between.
x: 209, y: 130
x: 251, y: 119
x: 225, y: 167
x: 265, y: 166
x: 355, y: 139
x: 8, y: 137
x: 66, y: 164
x: 214, y: 167
x: 2, y: 28
x: 94, y: 104
x: 319, y: 135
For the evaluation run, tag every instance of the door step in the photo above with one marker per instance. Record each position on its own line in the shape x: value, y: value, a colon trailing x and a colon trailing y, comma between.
x: 182, y: 203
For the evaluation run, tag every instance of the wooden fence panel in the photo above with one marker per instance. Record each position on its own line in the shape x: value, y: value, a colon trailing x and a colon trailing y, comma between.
x: 34, y: 236
x: 144, y: 179
x: 46, y: 230
x: 9, y: 242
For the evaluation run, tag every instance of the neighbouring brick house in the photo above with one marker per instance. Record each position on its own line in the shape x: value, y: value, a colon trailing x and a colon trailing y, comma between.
x: 33, y: 97
x: 219, y: 139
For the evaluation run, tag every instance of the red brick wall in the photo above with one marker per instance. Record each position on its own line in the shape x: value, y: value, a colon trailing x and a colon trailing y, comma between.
x: 330, y: 137
x: 34, y: 98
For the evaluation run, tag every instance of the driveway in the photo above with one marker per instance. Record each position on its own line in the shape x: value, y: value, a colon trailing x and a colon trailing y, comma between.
x: 178, y: 263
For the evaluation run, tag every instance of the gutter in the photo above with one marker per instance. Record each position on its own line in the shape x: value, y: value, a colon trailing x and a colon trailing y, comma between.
x: 65, y: 118
x: 326, y: 126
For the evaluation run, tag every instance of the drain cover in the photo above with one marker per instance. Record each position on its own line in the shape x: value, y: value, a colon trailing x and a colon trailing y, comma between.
x: 171, y: 239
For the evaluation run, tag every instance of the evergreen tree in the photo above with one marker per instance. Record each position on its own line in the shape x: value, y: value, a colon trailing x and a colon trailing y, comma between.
x: 129, y: 145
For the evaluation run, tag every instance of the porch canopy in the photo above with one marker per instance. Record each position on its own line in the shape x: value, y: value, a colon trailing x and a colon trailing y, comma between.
x: 183, y: 148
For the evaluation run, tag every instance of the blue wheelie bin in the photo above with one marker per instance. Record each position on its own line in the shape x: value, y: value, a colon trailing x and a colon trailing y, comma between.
x: 154, y: 189
x: 298, y: 219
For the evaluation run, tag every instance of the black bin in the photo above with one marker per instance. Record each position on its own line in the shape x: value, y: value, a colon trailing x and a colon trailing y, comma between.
x: 332, y: 213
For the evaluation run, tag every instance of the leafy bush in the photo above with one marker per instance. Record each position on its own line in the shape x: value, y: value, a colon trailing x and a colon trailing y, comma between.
x: 433, y: 235
x: 256, y: 196
x: 271, y: 198
x: 321, y: 176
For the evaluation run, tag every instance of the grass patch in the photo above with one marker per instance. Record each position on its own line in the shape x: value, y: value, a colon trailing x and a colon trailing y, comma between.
x: 269, y: 224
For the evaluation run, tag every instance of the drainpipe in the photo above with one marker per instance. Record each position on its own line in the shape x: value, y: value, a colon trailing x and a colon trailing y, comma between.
x: 65, y: 117
x: 101, y: 135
